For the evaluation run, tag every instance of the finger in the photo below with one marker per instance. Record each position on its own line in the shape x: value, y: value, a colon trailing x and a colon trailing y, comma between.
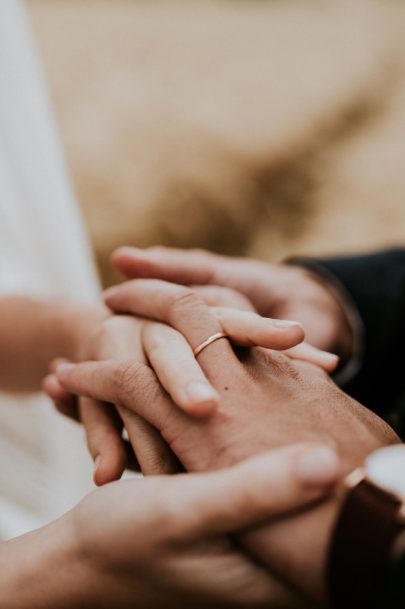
x: 251, y: 330
x: 55, y: 363
x: 216, y: 296
x: 104, y: 440
x: 182, y: 309
x: 196, y: 267
x: 130, y: 386
x: 63, y: 400
x: 175, y: 265
x: 123, y: 383
x: 254, y: 491
x: 179, y: 373
x: 54, y: 389
x: 306, y: 352
x: 153, y: 456
x: 148, y: 452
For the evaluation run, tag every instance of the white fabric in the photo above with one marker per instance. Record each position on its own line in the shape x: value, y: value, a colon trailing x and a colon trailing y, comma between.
x: 44, y: 467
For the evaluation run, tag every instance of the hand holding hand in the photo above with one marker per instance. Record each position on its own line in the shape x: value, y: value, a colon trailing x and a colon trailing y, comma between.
x: 141, y: 340
x: 163, y: 542
x: 267, y: 401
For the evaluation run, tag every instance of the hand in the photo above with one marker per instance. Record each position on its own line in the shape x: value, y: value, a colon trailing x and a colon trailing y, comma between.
x: 267, y: 401
x: 123, y: 337
x: 162, y: 542
x: 278, y: 291
x: 113, y: 338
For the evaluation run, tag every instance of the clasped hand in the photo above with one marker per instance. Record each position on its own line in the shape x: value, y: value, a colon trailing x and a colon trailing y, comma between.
x: 260, y: 400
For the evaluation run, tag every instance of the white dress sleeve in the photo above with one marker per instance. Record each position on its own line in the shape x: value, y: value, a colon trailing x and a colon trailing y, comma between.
x: 44, y: 252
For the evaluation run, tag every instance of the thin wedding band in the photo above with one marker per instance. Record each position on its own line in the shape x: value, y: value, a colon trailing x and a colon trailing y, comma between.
x: 209, y: 341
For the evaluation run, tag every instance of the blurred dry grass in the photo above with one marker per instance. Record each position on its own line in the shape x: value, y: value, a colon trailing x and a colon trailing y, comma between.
x: 258, y: 127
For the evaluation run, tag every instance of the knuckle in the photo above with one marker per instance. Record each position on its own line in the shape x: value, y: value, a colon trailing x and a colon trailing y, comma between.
x: 127, y: 377
x: 287, y: 368
x: 154, y: 464
x: 279, y: 366
x: 184, y: 300
x: 274, y: 358
x: 290, y: 368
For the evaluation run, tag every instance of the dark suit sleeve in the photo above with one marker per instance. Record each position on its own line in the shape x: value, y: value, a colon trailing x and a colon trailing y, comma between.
x: 376, y: 284
x: 395, y: 597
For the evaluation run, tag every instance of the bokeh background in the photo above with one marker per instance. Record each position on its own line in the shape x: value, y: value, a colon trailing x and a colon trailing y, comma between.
x: 263, y: 128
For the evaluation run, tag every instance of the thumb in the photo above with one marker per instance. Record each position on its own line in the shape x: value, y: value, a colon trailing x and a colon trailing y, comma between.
x: 261, y: 488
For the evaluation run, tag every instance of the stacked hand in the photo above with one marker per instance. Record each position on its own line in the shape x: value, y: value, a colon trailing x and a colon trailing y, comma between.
x: 141, y: 340
x: 265, y: 399
x: 163, y: 542
x: 278, y: 291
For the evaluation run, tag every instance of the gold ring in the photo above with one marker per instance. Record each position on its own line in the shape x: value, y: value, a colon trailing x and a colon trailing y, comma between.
x: 209, y: 341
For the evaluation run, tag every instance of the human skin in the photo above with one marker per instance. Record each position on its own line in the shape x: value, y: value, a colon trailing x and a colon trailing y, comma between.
x: 34, y: 332
x: 163, y: 542
x: 267, y: 401
x: 275, y: 290
x: 122, y: 337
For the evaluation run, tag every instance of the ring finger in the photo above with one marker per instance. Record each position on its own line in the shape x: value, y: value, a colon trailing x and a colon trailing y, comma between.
x: 182, y: 309
x: 178, y: 371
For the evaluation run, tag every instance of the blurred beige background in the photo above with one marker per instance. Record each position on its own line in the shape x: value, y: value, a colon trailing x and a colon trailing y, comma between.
x: 261, y: 128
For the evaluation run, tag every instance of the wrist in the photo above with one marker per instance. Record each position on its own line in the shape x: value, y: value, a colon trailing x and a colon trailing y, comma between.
x: 363, y: 549
x: 44, y: 569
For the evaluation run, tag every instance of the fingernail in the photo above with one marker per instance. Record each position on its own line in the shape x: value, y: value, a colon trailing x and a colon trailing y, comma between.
x: 285, y: 323
x: 128, y: 250
x: 328, y: 359
x: 198, y: 392
x: 318, y: 467
x: 64, y: 368
x: 332, y: 357
x: 110, y: 292
x: 97, y: 462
